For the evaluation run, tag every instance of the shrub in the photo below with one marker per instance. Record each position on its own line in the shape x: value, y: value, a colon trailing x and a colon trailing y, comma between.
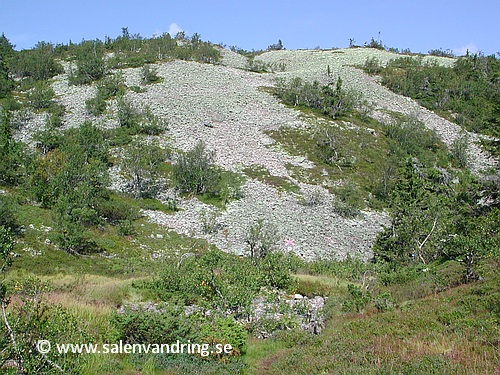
x: 90, y: 65
x: 40, y: 97
x: 220, y: 281
x: 460, y: 150
x: 149, y: 75
x: 31, y: 319
x: 412, y: 138
x: 164, y: 324
x: 372, y: 65
x: 195, y: 172
x: 143, y: 163
x: 6, y: 53
x: 126, y: 228
x: 384, y: 302
x: 73, y: 238
x: 348, y: 201
x: 356, y: 300
x: 276, y: 272
x: 56, y: 112
x: 7, y: 217
x: 37, y: 64
x: 107, y: 88
x: 116, y: 210
x: 329, y: 100
x: 375, y: 44
x: 261, y: 237
x: 225, y: 331
x: 128, y: 116
x: 11, y: 152
x: 276, y: 47
x: 96, y: 105
x: 111, y: 86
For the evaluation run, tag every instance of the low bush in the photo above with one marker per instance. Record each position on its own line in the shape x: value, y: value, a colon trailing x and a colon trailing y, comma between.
x: 195, y: 171
x: 331, y: 100
x: 149, y: 75
x: 41, y: 96
x: 7, y: 217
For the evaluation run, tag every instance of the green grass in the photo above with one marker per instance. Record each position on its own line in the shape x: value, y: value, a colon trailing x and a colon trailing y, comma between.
x: 436, y: 325
x: 262, y: 174
x: 454, y: 331
x: 138, y: 254
x: 366, y: 159
x: 361, y: 146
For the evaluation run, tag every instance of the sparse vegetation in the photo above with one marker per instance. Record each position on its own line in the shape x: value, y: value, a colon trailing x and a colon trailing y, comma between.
x: 79, y: 263
x: 465, y: 93
x: 329, y: 100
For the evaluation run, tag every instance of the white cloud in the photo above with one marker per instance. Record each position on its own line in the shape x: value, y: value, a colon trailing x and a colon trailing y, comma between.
x: 471, y: 47
x: 173, y: 29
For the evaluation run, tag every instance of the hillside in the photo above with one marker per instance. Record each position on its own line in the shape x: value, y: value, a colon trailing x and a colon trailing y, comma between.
x: 230, y: 100
x: 168, y: 189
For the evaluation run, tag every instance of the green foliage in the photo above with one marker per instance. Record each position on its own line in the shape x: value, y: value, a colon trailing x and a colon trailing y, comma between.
x: 224, y: 331
x: 96, y: 105
x: 11, y: 152
x: 195, y: 172
x: 372, y: 65
x: 467, y: 93
x: 138, y: 121
x: 116, y: 210
x: 260, y: 66
x: 41, y: 96
x: 165, y: 324
x: 421, y: 212
x: 329, y: 100
x: 7, y: 243
x: 126, y: 228
x: 384, y: 302
x: 348, y: 269
x: 149, y: 75
x: 258, y: 172
x: 261, y: 237
x: 71, y: 177
x: 437, y: 218
x: 460, y: 150
x: 143, y: 163
x: 6, y: 53
x: 7, y: 216
x: 275, y: 268
x: 128, y: 116
x: 111, y: 86
x: 348, y: 201
x: 108, y: 87
x: 90, y: 65
x: 222, y: 281
x: 276, y: 47
x: 411, y: 138
x: 356, y: 300
x: 70, y: 236
x: 37, y: 64
x: 132, y: 50
x: 375, y: 44
x: 441, y: 53
x: 31, y: 320
x: 55, y: 111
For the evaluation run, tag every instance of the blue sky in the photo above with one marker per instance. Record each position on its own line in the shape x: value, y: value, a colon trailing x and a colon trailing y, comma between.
x: 420, y: 25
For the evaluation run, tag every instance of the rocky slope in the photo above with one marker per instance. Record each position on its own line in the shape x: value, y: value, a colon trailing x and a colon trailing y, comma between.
x: 224, y: 106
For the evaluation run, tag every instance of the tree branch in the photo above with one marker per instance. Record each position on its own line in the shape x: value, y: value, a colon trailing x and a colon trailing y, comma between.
x: 421, y: 244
